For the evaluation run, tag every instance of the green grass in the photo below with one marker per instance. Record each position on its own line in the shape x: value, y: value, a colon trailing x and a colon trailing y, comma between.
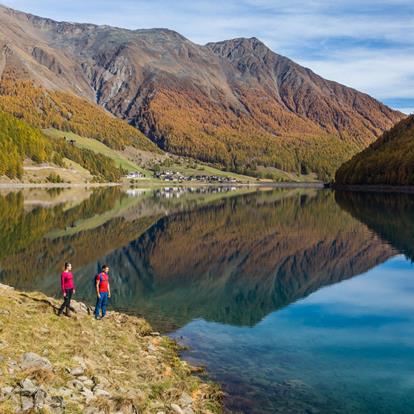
x: 98, y: 147
x: 202, y: 169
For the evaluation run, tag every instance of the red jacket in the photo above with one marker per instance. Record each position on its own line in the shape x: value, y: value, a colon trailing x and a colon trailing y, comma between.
x: 67, y: 281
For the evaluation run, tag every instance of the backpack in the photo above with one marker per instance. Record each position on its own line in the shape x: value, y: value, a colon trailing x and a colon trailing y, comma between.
x: 94, y: 280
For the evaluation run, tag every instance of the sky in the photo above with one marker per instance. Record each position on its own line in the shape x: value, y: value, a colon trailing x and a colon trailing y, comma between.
x: 365, y: 44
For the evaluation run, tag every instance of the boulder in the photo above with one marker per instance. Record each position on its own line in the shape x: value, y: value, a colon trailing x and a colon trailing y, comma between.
x: 30, y: 360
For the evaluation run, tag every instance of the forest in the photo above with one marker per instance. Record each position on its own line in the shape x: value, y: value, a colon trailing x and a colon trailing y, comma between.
x: 20, y: 141
x: 388, y: 161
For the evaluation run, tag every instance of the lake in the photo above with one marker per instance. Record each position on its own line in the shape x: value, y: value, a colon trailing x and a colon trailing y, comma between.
x: 294, y: 300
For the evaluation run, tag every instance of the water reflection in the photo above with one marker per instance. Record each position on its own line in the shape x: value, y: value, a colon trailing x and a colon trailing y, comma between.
x: 226, y: 259
x: 348, y: 348
x: 389, y: 215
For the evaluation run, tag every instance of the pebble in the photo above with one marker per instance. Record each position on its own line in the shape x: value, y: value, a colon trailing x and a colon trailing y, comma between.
x: 26, y: 403
x: 40, y: 398
x: 98, y: 392
x: 77, y: 372
x: 28, y: 388
x: 6, y: 390
x: 177, y: 409
x: 88, y: 394
x: 88, y: 383
x: 55, y: 402
x: 152, y: 348
x: 77, y: 385
x: 185, y: 400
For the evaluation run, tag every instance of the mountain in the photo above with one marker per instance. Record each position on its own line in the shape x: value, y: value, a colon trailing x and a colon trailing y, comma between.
x: 235, y: 103
x: 388, y: 161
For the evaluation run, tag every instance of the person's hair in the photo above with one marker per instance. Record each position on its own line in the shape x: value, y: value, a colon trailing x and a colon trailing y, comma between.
x: 105, y: 267
x: 67, y: 264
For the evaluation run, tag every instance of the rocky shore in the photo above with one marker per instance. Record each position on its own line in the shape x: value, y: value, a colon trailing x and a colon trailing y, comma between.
x: 51, y: 364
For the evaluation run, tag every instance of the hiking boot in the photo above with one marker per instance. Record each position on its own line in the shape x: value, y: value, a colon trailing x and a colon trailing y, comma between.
x: 68, y: 313
x: 98, y: 318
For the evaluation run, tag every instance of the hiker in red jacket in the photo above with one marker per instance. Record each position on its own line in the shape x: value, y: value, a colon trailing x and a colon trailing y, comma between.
x: 68, y: 289
x: 103, y: 292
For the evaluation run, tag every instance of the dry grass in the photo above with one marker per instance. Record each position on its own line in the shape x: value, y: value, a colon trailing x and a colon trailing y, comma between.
x: 119, y: 352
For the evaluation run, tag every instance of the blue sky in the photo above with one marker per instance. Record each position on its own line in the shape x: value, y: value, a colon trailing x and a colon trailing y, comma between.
x: 365, y: 44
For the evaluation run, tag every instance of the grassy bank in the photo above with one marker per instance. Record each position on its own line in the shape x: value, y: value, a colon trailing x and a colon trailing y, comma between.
x: 78, y: 365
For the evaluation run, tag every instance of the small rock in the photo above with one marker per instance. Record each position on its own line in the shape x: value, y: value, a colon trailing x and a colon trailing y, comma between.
x: 55, y: 402
x: 152, y: 348
x: 177, y: 409
x: 7, y: 390
x: 65, y: 392
x: 76, y: 372
x: 98, y: 392
x: 88, y: 383
x: 188, y: 410
x: 88, y: 394
x: 98, y: 379
x: 77, y: 385
x: 28, y: 388
x: 185, y: 400
x: 26, y: 403
x: 32, y: 360
x: 40, y: 398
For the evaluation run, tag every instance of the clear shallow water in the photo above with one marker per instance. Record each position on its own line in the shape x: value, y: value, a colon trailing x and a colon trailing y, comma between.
x: 296, y: 301
x: 347, y: 348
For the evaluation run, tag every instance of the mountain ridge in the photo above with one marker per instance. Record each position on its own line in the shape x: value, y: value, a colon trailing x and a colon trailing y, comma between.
x: 234, y: 103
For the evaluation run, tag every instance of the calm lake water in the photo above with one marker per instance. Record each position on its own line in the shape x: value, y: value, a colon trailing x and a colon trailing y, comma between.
x: 295, y: 300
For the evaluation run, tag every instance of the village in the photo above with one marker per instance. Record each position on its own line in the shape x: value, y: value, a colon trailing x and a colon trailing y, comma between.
x: 178, y: 177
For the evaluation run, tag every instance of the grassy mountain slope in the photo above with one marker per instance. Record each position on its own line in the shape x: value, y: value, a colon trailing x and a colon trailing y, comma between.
x: 97, y: 147
x: 388, y: 161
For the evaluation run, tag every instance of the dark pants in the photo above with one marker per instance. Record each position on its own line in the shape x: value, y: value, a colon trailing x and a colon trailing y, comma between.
x: 66, y: 302
x: 101, y: 304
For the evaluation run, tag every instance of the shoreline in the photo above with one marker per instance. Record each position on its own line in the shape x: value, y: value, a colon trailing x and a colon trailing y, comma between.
x: 153, y: 184
x: 80, y: 365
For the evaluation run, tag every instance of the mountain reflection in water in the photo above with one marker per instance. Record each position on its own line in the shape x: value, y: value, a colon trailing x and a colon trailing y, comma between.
x: 225, y: 257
